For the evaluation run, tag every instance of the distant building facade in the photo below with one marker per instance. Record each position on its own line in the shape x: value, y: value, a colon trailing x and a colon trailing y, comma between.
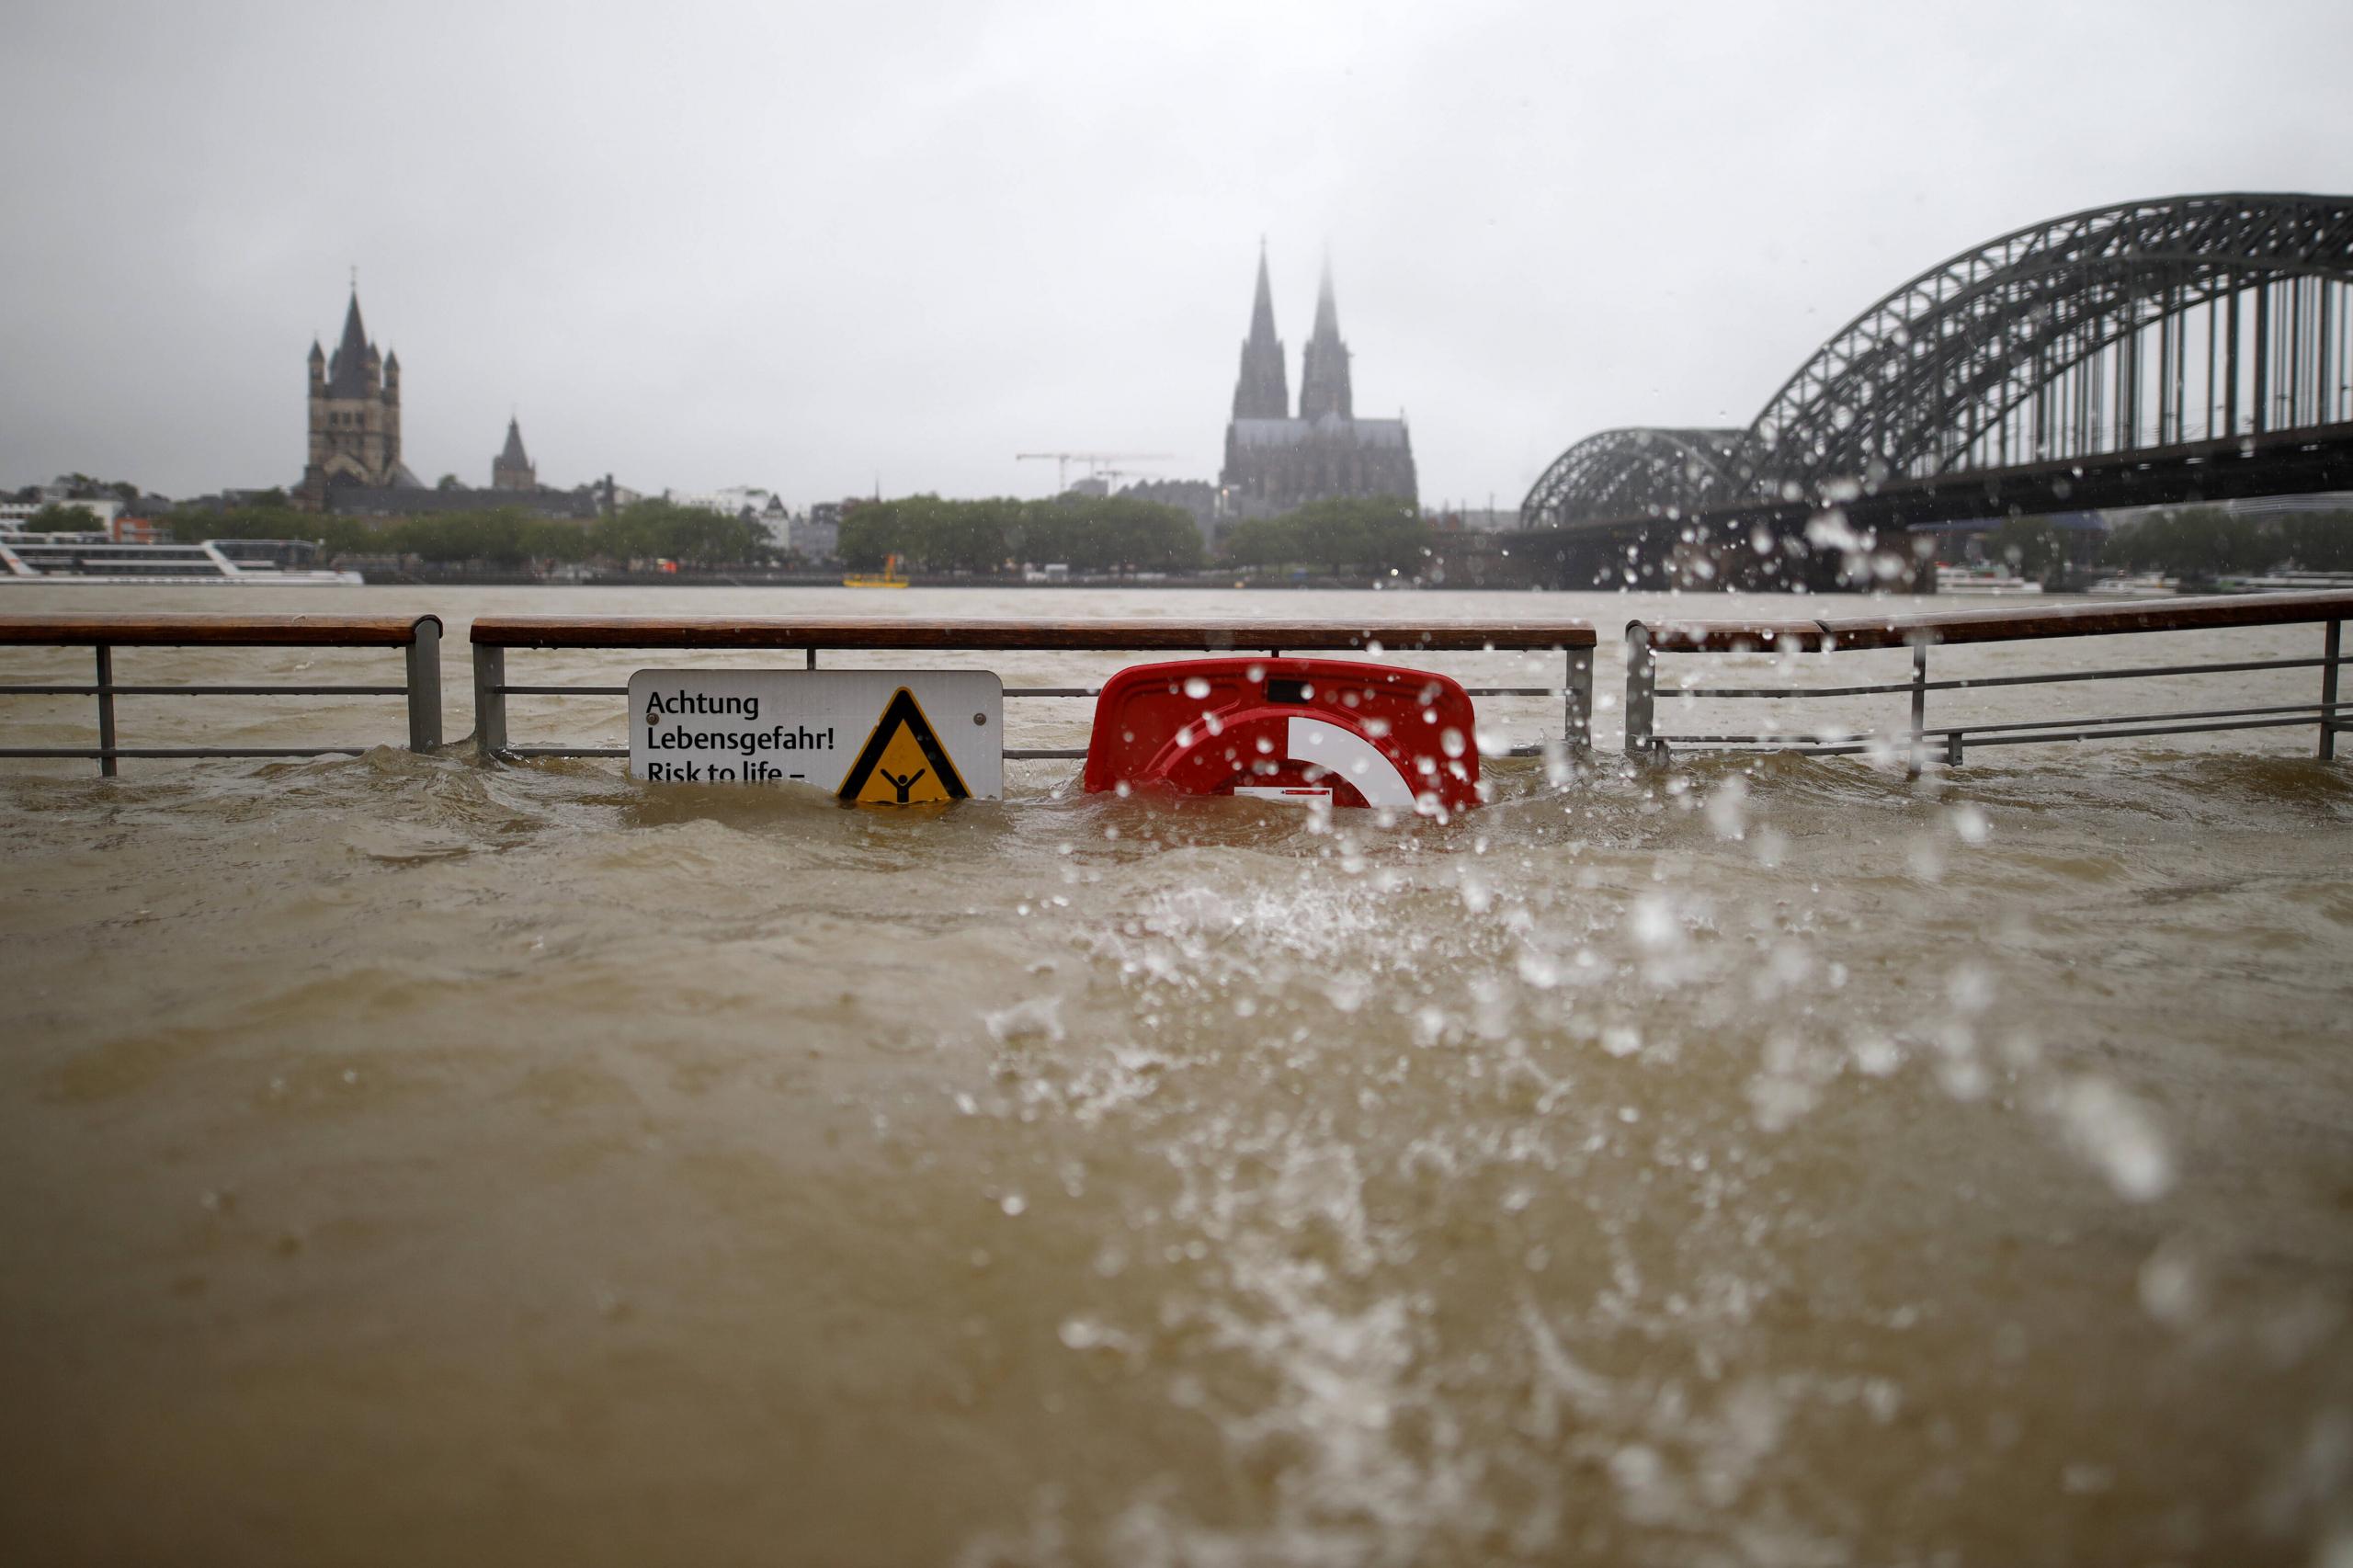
x: 818, y: 535
x: 1276, y: 462
x: 732, y: 501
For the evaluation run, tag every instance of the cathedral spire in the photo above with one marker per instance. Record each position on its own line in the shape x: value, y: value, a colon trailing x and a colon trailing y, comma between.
x: 1323, y: 377
x: 347, y: 371
x: 1263, y: 389
x: 1262, y: 307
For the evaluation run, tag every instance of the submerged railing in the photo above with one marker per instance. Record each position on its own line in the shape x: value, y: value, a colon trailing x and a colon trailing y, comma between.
x: 420, y: 636
x: 1573, y: 641
x: 1645, y: 640
x: 493, y: 636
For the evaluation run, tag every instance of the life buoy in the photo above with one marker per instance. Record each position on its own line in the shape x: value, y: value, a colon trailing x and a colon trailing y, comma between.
x: 1359, y: 734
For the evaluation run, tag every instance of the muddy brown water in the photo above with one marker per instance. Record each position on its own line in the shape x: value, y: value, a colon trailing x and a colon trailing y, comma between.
x: 1752, y: 1161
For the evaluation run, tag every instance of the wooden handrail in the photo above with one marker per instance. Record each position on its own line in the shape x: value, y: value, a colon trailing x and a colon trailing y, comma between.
x: 213, y: 631
x: 1732, y: 636
x: 1107, y: 635
x: 418, y: 636
x: 1946, y: 628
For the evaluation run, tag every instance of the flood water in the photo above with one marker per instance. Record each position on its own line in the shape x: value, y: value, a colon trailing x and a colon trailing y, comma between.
x: 1748, y: 1161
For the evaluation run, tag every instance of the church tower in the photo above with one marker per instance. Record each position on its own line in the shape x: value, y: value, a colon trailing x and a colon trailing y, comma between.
x: 355, y: 406
x: 511, y: 469
x: 1263, y: 389
x: 1324, y: 375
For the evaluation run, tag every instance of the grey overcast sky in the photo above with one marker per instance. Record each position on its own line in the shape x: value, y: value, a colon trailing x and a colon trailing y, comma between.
x: 817, y: 248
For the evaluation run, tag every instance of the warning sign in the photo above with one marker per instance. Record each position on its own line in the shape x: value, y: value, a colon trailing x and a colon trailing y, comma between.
x: 887, y: 737
x: 903, y: 763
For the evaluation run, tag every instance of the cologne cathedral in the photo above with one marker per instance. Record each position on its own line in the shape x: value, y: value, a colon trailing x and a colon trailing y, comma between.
x: 1275, y: 462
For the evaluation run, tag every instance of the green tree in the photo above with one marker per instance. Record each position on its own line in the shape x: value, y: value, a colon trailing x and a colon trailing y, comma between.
x: 1108, y: 533
x: 664, y: 530
x: 1366, y: 534
x: 931, y: 534
x: 63, y: 518
x: 2319, y: 541
x: 336, y: 536
x: 2195, y: 542
x: 2034, y: 548
x: 1091, y: 533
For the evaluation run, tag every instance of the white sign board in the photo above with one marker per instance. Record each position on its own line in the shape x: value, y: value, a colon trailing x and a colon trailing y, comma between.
x: 877, y: 737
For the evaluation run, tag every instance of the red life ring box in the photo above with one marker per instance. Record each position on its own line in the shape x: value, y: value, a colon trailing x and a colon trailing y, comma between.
x: 1357, y: 734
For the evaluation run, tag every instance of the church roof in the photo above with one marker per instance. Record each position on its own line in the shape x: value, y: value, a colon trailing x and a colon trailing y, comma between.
x: 513, y: 456
x: 347, y: 371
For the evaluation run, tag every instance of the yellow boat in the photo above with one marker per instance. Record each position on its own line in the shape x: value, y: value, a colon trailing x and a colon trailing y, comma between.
x: 888, y: 578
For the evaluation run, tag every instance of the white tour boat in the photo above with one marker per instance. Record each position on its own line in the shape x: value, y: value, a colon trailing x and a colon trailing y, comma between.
x: 94, y: 558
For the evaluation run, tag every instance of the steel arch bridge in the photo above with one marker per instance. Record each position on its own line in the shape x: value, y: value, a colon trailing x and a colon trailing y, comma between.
x: 2127, y: 330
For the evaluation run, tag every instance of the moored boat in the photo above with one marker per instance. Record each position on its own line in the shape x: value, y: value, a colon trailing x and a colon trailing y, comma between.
x: 237, y: 562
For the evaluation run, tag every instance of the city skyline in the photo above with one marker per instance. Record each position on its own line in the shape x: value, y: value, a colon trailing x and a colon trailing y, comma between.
x: 816, y: 252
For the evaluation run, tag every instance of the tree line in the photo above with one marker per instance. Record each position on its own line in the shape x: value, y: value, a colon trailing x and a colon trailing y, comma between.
x: 1120, y: 533
x: 1383, y: 533
x: 1091, y: 534
x: 2194, y: 542
x: 1088, y: 533
x: 2207, y: 542
x: 507, y: 536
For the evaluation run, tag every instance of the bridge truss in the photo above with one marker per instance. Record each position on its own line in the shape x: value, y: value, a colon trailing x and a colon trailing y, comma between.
x: 2144, y: 327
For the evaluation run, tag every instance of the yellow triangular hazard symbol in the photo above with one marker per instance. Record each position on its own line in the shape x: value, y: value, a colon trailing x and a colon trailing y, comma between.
x: 903, y: 763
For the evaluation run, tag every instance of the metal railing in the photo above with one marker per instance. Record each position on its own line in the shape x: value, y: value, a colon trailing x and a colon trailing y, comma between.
x: 420, y: 636
x: 1647, y: 639
x: 493, y: 636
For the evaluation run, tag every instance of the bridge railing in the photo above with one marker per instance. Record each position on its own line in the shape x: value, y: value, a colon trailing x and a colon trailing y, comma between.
x: 418, y: 636
x: 1647, y: 640
x: 495, y: 636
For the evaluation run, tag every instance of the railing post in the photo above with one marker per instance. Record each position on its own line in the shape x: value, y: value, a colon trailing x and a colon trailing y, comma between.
x: 1641, y: 687
x: 424, y: 684
x: 2331, y: 642
x: 1578, y: 700
x: 490, y: 700
x: 1919, y: 710
x: 105, y: 711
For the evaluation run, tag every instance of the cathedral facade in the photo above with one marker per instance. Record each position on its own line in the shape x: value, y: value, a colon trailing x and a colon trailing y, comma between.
x: 1274, y: 462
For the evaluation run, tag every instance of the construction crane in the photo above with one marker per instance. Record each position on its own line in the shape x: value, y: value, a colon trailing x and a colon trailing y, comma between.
x: 1094, y: 461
